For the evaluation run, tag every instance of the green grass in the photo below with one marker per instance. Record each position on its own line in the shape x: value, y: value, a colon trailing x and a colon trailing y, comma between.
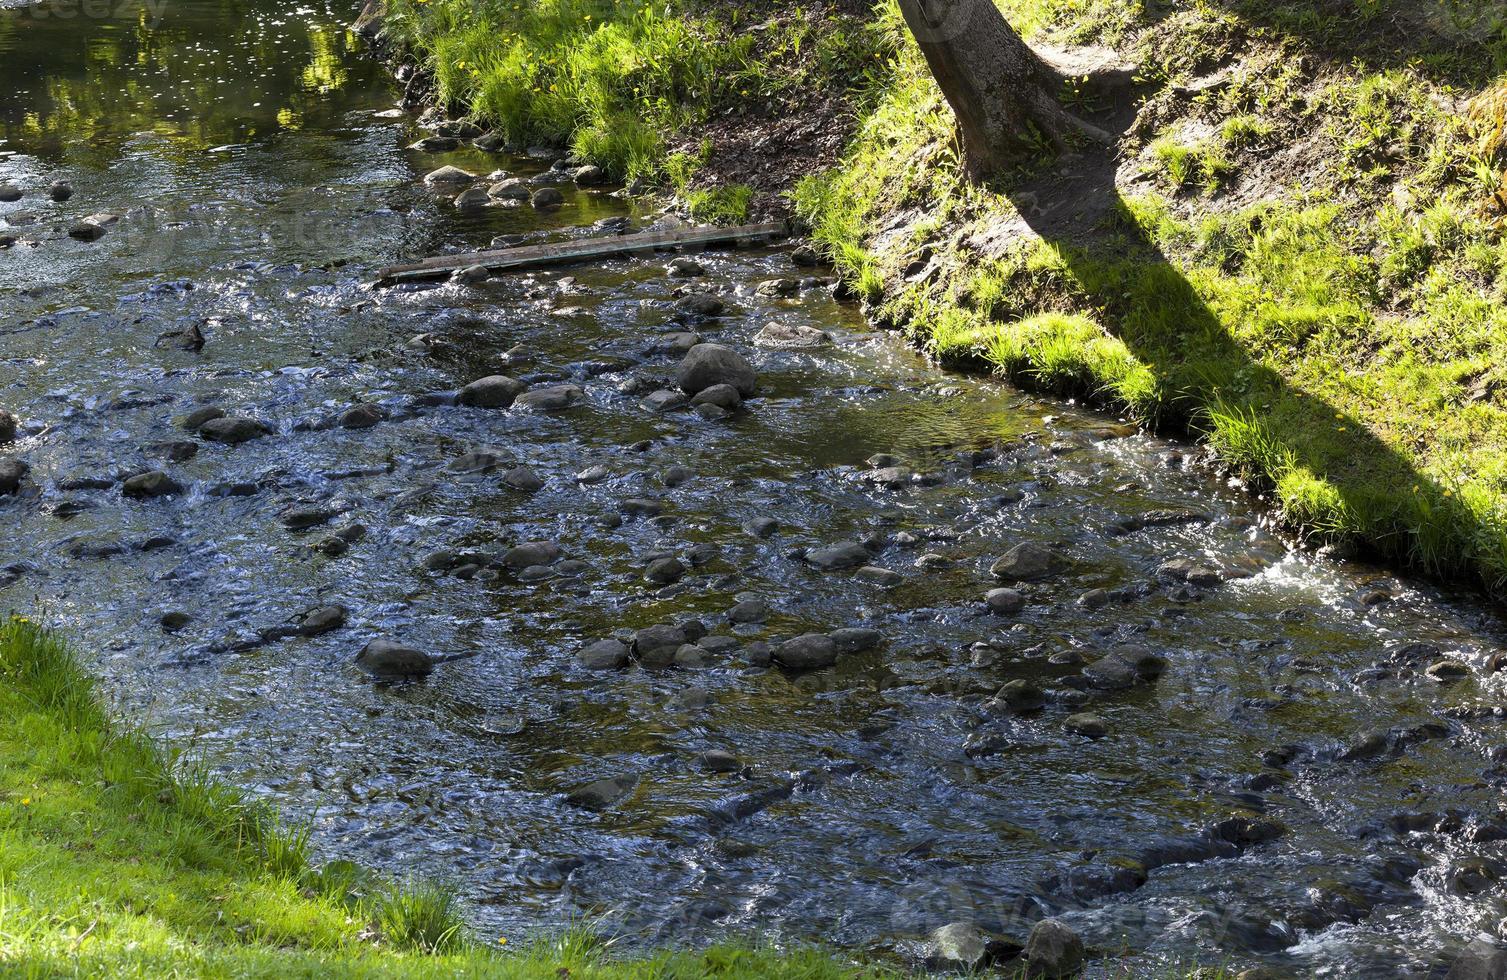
x: 1342, y: 342
x: 119, y: 858
x: 619, y: 81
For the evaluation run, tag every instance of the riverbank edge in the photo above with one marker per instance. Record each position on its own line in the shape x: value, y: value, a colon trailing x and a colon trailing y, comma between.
x: 121, y: 856
x: 1338, y: 469
x: 975, y: 277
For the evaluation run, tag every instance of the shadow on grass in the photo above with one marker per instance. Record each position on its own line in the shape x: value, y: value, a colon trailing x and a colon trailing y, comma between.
x: 1453, y: 42
x: 1335, y: 480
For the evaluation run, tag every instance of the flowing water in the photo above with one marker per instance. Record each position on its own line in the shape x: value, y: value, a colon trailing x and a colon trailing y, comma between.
x: 261, y: 181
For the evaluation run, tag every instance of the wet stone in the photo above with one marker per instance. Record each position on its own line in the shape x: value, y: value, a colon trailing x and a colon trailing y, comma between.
x: 448, y: 176
x: 556, y: 398
x: 838, y: 557
x: 602, y: 794
x: 883, y: 577
x: 701, y: 304
x: 811, y: 651
x: 789, y: 336
x: 1005, y: 602
x: 720, y: 396
x: 388, y: 659
x: 473, y: 463
x: 663, y: 400
x: 232, y: 430
x: 522, y: 478
x: 493, y: 391
x: 172, y: 622
x: 641, y: 507
x: 154, y: 483
x: 854, y: 639
x: 718, y: 760
x: 708, y: 365
x: 664, y: 571
x: 749, y: 611
x: 1447, y: 671
x: 1053, y: 950
x: 363, y: 416
x: 656, y: 646
x: 762, y: 527
x: 1024, y: 563
x: 1086, y: 724
x: 604, y: 655
x: 1018, y: 695
x: 1189, y: 571
x: 195, y: 419
x: 531, y: 553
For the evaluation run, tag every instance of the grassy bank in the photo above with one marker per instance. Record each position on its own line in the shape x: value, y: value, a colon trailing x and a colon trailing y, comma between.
x: 634, y: 86
x: 1296, y: 253
x: 119, y: 860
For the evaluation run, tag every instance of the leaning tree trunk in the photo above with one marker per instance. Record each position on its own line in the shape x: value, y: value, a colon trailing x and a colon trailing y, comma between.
x: 998, y: 88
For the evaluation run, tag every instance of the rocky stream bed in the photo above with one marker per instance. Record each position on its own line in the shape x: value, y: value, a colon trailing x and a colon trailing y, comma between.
x: 664, y: 588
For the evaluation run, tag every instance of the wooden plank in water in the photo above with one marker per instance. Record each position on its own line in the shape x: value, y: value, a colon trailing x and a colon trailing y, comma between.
x: 503, y: 259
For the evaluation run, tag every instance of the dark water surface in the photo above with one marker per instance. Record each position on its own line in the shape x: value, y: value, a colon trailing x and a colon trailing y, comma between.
x: 260, y: 184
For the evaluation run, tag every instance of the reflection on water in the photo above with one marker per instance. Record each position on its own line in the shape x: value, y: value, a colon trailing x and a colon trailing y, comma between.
x: 198, y: 74
x: 260, y: 187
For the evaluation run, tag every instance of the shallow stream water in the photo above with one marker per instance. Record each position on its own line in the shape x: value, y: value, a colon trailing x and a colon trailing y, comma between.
x: 261, y: 180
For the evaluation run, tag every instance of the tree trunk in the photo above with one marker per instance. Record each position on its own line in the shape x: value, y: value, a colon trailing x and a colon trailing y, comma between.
x: 998, y: 88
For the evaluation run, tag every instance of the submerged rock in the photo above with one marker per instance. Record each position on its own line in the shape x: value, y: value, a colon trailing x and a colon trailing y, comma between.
x: 362, y: 416
x: 233, y: 430
x: 602, y: 793
x: 385, y: 658
x: 839, y: 556
x: 153, y: 483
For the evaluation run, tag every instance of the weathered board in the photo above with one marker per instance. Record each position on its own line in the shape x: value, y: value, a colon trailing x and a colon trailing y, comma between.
x: 526, y: 256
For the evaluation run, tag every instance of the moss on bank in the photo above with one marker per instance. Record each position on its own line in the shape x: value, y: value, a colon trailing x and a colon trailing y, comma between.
x: 118, y: 859
x: 1297, y: 253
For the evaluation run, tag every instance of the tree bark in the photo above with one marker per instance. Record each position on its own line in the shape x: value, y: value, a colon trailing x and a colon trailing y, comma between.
x: 998, y: 88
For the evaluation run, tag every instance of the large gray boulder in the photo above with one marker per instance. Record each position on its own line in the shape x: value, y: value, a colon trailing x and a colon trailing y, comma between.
x: 1024, y: 563
x: 493, y: 391
x: 153, y: 483
x: 1053, y: 950
x: 384, y: 658
x: 233, y: 430
x: 707, y: 365
x: 811, y: 651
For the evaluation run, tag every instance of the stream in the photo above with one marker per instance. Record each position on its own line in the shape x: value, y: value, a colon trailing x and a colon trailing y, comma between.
x: 1291, y: 761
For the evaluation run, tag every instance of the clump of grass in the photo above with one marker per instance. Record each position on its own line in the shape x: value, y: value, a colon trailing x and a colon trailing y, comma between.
x: 1202, y: 164
x: 422, y: 915
x: 720, y: 205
